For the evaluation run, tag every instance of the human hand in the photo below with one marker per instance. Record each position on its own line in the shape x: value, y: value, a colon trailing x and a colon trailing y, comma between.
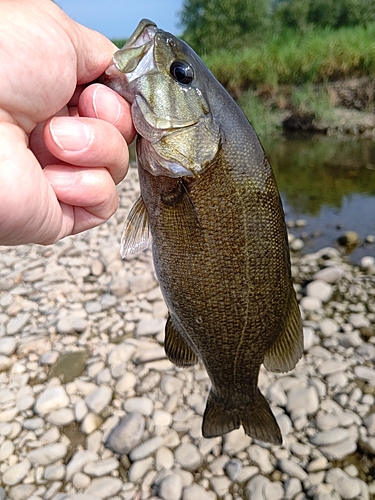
x: 62, y: 148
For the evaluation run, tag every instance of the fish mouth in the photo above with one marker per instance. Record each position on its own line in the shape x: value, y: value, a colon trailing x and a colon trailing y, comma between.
x: 135, y: 58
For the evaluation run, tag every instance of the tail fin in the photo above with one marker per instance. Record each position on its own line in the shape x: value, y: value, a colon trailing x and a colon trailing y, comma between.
x: 258, y: 421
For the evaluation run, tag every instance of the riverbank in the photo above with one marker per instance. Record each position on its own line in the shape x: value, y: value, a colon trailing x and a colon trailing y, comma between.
x: 90, y: 406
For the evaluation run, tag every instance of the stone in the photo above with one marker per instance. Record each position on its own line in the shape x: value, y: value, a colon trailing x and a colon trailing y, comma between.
x: 16, y: 473
x: 292, y: 486
x: 233, y: 469
x: 54, y: 472
x: 104, y: 487
x: 220, y: 485
x: 328, y: 327
x: 5, y: 363
x: 15, y: 325
x: 305, y: 400
x: 99, y: 399
x: 139, y: 469
x: 195, y: 492
x: 274, y: 491
x: 62, y: 417
x: 51, y: 399
x: 235, y: 441
x: 338, y: 451
x: 349, y: 488
x: 330, y: 274
x: 365, y: 373
x: 145, y: 449
x: 164, y: 458
x: 127, y: 434
x: 142, y: 405
x: 255, y: 488
x: 90, y: 423
x: 6, y: 449
x: 311, y: 304
x: 47, y: 455
x: 260, y: 457
x: 292, y: 469
x: 101, y: 467
x: 170, y: 487
x: 78, y: 461
x: 22, y: 492
x: 359, y: 321
x: 150, y: 326
x: 319, y: 289
x: 188, y: 456
x: 7, y: 345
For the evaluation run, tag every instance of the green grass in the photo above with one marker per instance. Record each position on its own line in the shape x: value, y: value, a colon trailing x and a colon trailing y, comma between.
x: 292, y: 59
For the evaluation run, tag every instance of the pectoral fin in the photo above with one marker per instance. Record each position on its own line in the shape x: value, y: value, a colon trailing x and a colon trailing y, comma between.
x: 288, y: 348
x: 176, y: 348
x: 136, y: 235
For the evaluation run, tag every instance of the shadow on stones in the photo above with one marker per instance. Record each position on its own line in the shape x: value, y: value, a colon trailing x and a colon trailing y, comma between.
x: 69, y: 366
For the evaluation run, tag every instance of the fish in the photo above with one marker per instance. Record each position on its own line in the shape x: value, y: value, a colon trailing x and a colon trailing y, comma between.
x: 210, y: 208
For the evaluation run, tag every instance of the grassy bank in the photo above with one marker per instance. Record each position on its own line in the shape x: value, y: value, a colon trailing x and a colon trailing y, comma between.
x: 293, y: 59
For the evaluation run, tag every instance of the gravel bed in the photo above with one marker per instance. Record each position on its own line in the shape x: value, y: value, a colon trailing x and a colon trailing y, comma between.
x: 90, y: 408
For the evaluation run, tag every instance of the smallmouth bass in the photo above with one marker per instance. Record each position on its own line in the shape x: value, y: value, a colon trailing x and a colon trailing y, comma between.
x: 219, y: 241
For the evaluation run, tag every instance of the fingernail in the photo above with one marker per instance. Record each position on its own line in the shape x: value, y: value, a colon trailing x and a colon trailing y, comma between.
x: 69, y: 134
x: 60, y: 176
x: 106, y: 105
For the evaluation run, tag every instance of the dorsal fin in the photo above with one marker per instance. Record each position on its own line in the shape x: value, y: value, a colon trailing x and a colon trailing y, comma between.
x: 136, y: 235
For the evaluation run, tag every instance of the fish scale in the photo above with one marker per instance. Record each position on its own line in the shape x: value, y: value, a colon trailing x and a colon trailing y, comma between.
x: 219, y: 241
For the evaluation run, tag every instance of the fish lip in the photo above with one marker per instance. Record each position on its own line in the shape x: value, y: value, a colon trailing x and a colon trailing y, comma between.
x: 144, y: 33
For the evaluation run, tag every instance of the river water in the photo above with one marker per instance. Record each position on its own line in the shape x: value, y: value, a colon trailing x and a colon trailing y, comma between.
x: 330, y: 183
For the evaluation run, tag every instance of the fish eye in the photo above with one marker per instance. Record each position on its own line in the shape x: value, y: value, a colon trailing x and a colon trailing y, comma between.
x: 182, y: 72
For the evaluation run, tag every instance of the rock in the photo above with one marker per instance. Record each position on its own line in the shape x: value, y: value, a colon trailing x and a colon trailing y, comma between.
x: 260, y: 457
x: 7, y: 345
x: 51, y: 399
x: 138, y: 469
x: 78, y: 461
x: 150, y: 326
x: 330, y: 274
x: 328, y: 327
x: 127, y: 434
x: 5, y: 363
x: 195, y: 492
x: 49, y: 454
x: 90, y: 423
x: 292, y: 469
x: 359, y: 321
x: 367, y: 262
x: 188, y: 456
x: 235, y: 441
x: 62, y: 417
x: 311, y: 304
x: 170, y: 487
x: 101, y: 467
x: 233, y: 469
x: 16, y: 473
x: 142, y: 405
x: 349, y: 488
x: 104, y: 487
x: 145, y: 449
x: 293, y: 486
x: 255, y: 488
x: 338, y: 451
x: 319, y: 289
x: 15, y: 325
x: 303, y: 400
x: 99, y: 399
x: 164, y: 458
x: 220, y: 485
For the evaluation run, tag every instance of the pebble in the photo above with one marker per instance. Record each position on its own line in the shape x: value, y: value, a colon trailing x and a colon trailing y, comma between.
x: 99, y: 399
x: 47, y: 455
x: 188, y: 456
x: 125, y: 423
x: 171, y: 487
x: 104, y: 487
x: 51, y: 399
x: 16, y: 473
x: 127, y: 434
x: 346, y: 486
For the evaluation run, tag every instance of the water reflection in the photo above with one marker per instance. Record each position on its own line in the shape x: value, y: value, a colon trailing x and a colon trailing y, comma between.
x: 329, y: 182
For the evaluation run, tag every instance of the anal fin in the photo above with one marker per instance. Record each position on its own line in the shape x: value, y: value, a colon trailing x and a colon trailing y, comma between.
x: 176, y: 348
x: 136, y: 235
x: 288, y: 348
